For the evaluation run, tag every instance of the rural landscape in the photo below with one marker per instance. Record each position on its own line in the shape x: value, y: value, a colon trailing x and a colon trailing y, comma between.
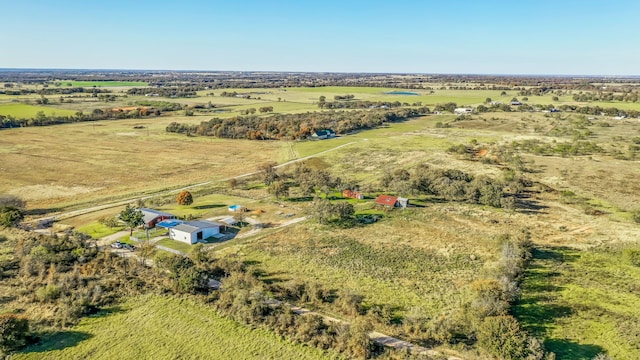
x: 285, y: 180
x: 344, y: 216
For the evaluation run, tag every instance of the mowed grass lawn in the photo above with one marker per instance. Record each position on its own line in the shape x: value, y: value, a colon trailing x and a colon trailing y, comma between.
x: 21, y: 111
x: 154, y: 327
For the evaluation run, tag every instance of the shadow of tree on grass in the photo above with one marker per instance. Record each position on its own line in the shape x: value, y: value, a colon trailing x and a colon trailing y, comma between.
x: 565, y: 349
x: 56, y: 341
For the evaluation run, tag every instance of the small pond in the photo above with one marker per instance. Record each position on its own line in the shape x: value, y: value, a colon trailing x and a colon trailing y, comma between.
x: 401, y: 93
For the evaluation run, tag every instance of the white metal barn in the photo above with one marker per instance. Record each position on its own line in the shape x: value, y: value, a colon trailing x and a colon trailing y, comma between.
x: 191, y: 232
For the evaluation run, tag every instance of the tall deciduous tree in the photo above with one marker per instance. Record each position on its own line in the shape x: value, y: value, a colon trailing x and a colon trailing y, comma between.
x: 185, y: 198
x: 132, y: 217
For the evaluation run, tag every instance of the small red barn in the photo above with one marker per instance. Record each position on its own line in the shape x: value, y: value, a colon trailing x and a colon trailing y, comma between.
x: 392, y: 201
x: 352, y: 194
x: 152, y: 217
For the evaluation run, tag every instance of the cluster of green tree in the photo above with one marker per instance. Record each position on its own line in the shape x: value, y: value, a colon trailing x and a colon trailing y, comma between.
x: 361, y: 104
x: 573, y: 148
x: 485, y: 318
x: 597, y: 110
x: 11, y: 210
x: 42, y: 119
x: 160, y: 105
x: 343, y: 97
x: 234, y: 94
x: 293, y: 126
x: 626, y: 96
x: 53, y: 91
x: 173, y: 91
x: 68, y: 275
x: 450, y: 185
x: 246, y: 299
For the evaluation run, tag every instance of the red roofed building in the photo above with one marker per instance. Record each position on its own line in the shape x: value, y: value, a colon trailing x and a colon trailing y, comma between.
x: 392, y: 201
x: 352, y: 194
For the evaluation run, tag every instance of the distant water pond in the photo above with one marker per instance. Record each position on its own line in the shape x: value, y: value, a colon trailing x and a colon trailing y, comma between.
x: 401, y: 93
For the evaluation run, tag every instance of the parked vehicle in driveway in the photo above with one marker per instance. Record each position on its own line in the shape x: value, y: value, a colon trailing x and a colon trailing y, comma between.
x: 129, y: 247
x: 117, y: 245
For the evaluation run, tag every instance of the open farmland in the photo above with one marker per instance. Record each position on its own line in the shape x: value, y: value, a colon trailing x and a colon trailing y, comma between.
x: 419, y: 273
x: 30, y: 111
x: 87, y: 161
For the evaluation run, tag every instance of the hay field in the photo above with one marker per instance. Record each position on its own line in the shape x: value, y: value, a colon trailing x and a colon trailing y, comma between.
x: 61, y: 165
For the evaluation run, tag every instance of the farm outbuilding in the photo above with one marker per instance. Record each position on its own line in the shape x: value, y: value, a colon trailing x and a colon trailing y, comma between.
x: 191, y: 232
x: 463, y: 111
x: 323, y: 134
x: 392, y: 201
x: 152, y: 217
x: 352, y: 194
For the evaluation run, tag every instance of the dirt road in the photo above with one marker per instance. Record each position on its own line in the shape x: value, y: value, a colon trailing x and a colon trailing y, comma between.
x: 69, y: 214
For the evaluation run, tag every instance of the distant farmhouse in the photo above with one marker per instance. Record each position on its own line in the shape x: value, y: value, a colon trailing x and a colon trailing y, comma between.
x: 323, y: 134
x: 461, y: 111
x: 352, y: 194
x: 392, y: 201
x: 152, y: 217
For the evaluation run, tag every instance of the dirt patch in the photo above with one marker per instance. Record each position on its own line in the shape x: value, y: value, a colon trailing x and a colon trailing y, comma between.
x: 43, y: 192
x: 481, y: 153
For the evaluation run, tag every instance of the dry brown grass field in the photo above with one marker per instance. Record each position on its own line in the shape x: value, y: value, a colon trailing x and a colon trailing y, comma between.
x: 55, y: 166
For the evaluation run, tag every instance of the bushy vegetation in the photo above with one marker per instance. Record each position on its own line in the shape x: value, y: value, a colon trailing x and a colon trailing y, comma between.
x: 42, y: 119
x: 448, y: 184
x: 292, y: 126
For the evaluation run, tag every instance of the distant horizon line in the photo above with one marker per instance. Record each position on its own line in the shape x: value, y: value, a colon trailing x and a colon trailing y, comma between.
x: 12, y: 69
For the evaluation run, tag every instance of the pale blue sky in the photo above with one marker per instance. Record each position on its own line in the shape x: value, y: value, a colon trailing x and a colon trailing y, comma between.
x: 481, y: 37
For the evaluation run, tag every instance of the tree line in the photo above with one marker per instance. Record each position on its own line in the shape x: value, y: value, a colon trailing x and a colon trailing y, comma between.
x: 293, y: 126
x: 52, y: 91
x: 42, y: 119
x: 169, y: 91
x: 361, y: 104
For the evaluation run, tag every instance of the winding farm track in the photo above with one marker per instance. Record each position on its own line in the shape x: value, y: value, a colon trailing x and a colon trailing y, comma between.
x: 70, y: 214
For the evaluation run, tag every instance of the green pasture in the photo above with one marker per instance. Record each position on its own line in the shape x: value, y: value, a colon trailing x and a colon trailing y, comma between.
x: 583, y: 303
x: 155, y: 327
x: 22, y: 111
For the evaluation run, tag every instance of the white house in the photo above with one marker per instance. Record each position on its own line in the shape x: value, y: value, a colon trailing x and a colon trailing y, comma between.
x: 193, y: 231
x: 463, y: 110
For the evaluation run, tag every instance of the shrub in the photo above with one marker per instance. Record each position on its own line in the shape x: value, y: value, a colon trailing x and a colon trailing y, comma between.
x: 13, y: 332
x: 48, y: 293
x: 501, y: 337
x: 631, y: 256
x: 10, y: 215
